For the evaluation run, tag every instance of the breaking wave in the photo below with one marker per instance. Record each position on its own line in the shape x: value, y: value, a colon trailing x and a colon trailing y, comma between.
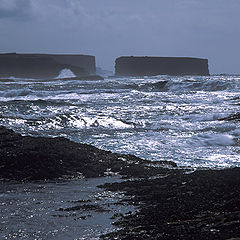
x: 16, y: 93
x: 161, y: 117
x: 212, y: 140
x: 65, y: 73
x: 181, y: 84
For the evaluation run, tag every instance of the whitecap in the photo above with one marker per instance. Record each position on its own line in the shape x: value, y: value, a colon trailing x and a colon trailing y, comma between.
x: 104, y: 122
x: 16, y: 93
x: 212, y: 140
x: 66, y: 73
x: 221, y: 140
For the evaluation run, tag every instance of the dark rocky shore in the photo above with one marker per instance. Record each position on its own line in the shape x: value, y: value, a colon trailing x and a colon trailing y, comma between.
x: 172, y: 203
x: 202, y: 205
x: 36, y: 158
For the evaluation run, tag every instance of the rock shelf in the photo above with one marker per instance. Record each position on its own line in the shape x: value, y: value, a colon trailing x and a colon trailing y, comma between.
x: 37, y: 158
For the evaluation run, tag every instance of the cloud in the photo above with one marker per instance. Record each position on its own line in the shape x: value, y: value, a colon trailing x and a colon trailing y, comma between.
x: 15, y: 9
x: 109, y: 28
x: 8, y: 5
x: 61, y: 13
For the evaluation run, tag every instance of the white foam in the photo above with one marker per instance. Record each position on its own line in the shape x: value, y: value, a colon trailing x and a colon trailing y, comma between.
x: 16, y: 93
x: 16, y: 78
x: 105, y: 122
x: 66, y: 73
x: 236, y: 132
x: 68, y: 96
x: 221, y: 140
x: 212, y: 140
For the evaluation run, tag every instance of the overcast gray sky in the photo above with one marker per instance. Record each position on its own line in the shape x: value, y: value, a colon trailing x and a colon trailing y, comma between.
x: 112, y: 28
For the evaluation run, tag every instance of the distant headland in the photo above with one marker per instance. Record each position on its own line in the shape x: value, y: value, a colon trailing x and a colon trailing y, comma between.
x: 45, y: 65
x: 48, y: 66
x: 151, y: 66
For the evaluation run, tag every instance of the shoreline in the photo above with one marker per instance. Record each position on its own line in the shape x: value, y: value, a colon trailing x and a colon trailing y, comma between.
x: 201, y: 205
x: 172, y: 203
x: 25, y: 158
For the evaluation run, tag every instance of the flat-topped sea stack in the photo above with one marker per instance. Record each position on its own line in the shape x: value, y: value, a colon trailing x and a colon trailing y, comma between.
x: 45, y: 65
x: 152, y: 66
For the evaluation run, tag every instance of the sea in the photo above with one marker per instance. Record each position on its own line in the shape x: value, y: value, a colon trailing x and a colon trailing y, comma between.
x: 170, y: 118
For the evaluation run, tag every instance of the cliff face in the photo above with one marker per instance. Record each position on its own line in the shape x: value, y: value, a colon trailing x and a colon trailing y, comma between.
x: 44, y: 65
x: 86, y: 62
x: 150, y: 66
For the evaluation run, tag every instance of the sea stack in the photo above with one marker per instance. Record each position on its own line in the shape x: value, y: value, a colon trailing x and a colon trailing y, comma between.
x: 152, y: 66
x: 45, y: 65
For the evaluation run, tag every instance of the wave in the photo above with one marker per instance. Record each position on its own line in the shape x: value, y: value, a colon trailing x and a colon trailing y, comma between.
x: 104, y: 122
x: 67, y: 120
x: 212, y: 140
x: 184, y: 84
x: 28, y: 95
x: 205, y: 85
x: 65, y: 73
x: 152, y: 86
x: 12, y: 78
x: 6, y: 80
x: 16, y: 93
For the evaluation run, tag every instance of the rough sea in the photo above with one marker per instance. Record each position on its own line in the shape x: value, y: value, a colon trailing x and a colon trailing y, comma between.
x: 155, y: 118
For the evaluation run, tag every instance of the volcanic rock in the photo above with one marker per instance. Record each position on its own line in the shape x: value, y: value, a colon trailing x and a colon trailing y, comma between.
x: 151, y: 66
x: 42, y: 66
x: 34, y: 158
x: 202, y: 205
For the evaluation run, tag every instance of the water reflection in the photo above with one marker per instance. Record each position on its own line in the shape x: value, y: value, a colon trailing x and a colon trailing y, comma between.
x: 58, y: 210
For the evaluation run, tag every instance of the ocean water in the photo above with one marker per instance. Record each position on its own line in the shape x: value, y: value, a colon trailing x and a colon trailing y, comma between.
x: 156, y: 118
x: 33, y: 211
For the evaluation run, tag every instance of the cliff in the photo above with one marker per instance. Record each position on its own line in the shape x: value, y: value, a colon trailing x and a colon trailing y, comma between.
x: 44, y: 65
x: 151, y: 66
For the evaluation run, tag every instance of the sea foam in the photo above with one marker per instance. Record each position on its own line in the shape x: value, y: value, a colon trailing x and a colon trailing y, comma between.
x: 66, y: 73
x: 16, y: 93
x: 212, y: 140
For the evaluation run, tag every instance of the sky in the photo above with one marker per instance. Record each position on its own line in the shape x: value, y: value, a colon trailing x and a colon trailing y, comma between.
x: 112, y: 28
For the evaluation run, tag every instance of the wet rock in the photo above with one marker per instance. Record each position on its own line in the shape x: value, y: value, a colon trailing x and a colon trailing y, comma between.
x: 201, y: 205
x: 82, y: 201
x: 84, y: 207
x: 34, y: 158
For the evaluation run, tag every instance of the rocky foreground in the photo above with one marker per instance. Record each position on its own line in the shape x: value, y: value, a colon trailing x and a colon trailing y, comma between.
x: 202, y: 205
x: 172, y: 203
x: 37, y: 158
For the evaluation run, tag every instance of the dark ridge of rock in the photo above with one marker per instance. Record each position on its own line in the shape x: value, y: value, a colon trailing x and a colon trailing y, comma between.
x: 151, y: 66
x: 85, y: 207
x: 36, y: 158
x: 86, y: 62
x: 232, y: 117
x: 202, y: 205
x: 44, y: 65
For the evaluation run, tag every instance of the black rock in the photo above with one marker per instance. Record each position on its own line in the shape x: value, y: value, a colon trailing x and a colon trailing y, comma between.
x: 151, y: 66
x: 201, y: 205
x: 35, y: 158
x: 45, y: 65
